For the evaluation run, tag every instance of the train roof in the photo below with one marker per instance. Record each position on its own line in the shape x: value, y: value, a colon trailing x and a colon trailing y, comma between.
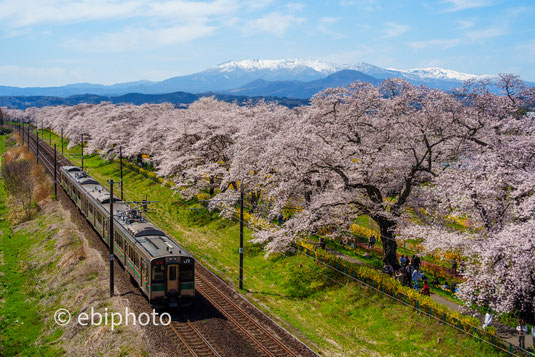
x: 145, y: 234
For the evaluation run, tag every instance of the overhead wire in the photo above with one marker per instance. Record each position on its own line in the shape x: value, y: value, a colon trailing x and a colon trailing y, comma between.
x: 347, y: 276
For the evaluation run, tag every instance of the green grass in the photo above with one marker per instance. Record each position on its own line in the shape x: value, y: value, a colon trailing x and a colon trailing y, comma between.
x: 21, y: 317
x: 338, y: 316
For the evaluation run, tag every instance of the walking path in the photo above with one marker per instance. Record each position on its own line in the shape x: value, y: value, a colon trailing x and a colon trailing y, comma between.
x: 505, y: 332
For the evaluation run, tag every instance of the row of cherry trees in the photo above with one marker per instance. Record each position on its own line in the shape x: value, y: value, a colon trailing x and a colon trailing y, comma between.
x: 412, y: 158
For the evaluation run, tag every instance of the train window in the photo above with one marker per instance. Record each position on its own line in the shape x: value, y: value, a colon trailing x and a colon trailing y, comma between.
x: 186, y: 272
x: 158, y: 273
x: 172, y: 272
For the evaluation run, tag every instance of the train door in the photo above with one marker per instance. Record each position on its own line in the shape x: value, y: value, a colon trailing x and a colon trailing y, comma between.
x: 144, y: 273
x: 172, y: 278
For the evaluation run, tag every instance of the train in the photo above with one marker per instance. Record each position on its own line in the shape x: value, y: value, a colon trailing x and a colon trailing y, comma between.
x: 162, y: 269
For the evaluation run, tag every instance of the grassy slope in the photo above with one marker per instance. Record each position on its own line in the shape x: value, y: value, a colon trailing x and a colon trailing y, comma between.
x: 337, y: 315
x: 21, y: 318
x: 45, y: 265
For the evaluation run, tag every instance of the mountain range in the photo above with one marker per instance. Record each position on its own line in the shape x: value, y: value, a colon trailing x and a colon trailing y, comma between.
x: 292, y: 78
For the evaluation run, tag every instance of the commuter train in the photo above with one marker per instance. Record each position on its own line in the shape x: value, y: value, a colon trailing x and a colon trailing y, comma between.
x: 163, y: 269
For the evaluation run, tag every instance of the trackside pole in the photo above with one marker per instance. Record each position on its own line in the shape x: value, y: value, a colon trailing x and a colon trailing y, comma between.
x: 121, y: 165
x: 241, y: 235
x: 61, y: 141
x: 111, y: 238
x: 55, y: 174
x: 37, y: 151
x: 82, y: 136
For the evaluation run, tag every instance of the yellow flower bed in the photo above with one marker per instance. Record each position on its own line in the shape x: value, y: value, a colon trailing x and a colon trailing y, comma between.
x: 403, y: 294
x: 364, y: 231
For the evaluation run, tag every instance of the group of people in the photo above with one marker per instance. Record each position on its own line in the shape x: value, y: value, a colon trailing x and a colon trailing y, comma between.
x: 522, y: 330
x: 408, y: 273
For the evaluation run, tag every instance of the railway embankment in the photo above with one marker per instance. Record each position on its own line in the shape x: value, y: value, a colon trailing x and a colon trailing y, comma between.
x: 332, y: 313
x: 47, y: 264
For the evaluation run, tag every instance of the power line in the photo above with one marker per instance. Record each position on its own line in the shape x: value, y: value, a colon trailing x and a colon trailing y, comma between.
x: 370, y: 286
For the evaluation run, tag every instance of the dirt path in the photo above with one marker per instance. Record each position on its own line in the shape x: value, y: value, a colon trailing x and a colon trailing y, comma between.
x: 505, y: 332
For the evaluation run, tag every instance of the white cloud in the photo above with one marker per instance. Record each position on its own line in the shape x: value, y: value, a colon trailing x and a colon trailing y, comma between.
x: 25, y: 76
x: 21, y: 13
x: 275, y: 23
x: 393, y: 29
x: 465, y: 24
x: 486, y: 33
x: 325, y: 24
x: 443, y: 43
x: 329, y: 20
x: 458, y: 5
x: 365, y: 5
x: 295, y: 6
x: 143, y: 38
x: 526, y: 51
x: 256, y: 4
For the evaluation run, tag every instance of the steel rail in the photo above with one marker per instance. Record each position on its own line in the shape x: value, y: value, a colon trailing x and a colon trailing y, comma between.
x: 200, y: 285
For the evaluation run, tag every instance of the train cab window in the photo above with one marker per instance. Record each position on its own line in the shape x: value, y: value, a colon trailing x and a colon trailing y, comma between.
x: 158, y: 273
x: 186, y: 272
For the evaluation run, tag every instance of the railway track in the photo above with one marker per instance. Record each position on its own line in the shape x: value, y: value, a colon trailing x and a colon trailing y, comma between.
x: 264, y: 341
x: 192, y: 339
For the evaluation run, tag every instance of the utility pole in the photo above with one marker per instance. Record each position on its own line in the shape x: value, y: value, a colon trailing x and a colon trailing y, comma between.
x: 82, y: 136
x: 61, y: 141
x: 241, y: 235
x: 37, y: 150
x: 50, y: 137
x: 121, y: 165
x: 55, y: 174
x: 111, y: 238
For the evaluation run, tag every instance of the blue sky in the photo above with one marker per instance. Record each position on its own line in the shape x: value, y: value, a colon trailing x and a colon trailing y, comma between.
x: 55, y: 42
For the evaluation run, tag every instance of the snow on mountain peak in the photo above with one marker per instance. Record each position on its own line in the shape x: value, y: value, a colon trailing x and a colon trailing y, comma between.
x: 276, y: 65
x: 442, y: 73
x: 284, y: 66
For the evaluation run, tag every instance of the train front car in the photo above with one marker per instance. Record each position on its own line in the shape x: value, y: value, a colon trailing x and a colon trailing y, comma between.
x: 170, y: 280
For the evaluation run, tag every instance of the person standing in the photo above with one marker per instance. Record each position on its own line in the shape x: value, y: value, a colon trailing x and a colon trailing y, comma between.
x: 488, y: 319
x: 416, y: 262
x: 371, y: 242
x: 408, y: 274
x: 522, y: 330
x: 416, y: 276
x: 402, y: 260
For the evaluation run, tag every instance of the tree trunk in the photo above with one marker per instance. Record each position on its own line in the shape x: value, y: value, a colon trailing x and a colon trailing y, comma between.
x: 211, y: 185
x: 388, y: 242
x: 255, y: 195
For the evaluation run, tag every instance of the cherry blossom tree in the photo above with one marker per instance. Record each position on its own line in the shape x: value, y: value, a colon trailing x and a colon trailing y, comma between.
x: 363, y: 150
x: 492, y: 185
x: 197, y: 153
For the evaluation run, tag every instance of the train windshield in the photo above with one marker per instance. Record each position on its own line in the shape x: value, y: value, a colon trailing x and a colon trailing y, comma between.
x: 186, y: 272
x: 158, y: 273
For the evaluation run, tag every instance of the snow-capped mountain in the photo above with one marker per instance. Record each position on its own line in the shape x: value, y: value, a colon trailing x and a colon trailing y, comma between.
x: 296, y: 65
x: 236, y: 77
x: 441, y: 73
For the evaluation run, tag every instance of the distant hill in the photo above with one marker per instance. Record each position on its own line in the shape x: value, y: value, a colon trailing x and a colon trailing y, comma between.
x: 300, y: 89
x: 178, y: 99
x: 240, y: 77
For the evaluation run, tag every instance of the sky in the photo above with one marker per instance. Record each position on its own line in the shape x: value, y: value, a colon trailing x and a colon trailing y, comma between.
x: 57, y: 42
